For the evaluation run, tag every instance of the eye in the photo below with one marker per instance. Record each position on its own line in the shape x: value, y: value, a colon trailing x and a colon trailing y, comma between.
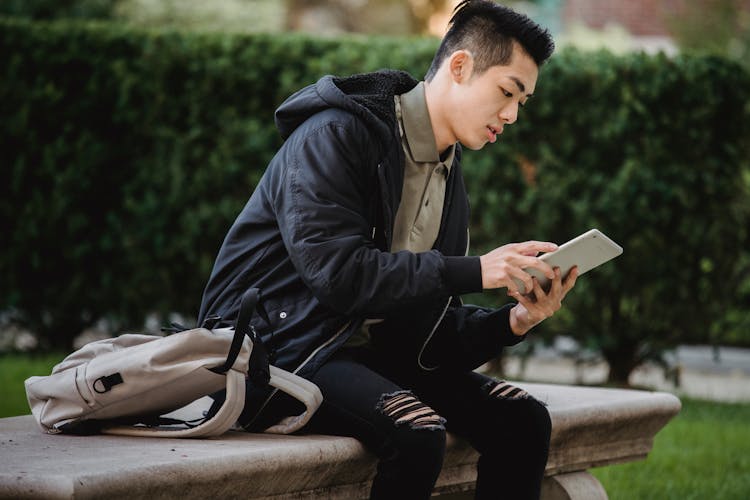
x: 505, y: 92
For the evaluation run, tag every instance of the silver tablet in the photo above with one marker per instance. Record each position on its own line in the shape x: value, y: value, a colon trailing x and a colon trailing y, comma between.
x: 587, y: 251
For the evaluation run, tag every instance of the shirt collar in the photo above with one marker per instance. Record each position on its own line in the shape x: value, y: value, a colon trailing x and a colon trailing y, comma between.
x: 418, y: 128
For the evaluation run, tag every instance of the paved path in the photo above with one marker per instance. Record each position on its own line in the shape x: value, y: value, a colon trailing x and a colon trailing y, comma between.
x: 719, y: 375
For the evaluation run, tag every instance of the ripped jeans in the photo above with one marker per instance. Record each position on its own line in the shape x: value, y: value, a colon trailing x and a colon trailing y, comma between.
x: 403, y: 417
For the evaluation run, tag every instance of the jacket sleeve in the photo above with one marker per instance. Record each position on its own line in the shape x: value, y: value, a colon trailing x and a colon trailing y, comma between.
x: 322, y: 201
x: 467, y: 337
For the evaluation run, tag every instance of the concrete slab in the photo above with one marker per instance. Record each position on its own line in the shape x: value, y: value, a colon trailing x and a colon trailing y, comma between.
x: 591, y: 427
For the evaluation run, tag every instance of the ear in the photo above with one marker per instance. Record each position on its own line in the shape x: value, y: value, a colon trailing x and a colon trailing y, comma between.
x: 461, y: 64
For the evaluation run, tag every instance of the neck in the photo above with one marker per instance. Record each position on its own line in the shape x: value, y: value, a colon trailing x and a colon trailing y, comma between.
x: 444, y: 137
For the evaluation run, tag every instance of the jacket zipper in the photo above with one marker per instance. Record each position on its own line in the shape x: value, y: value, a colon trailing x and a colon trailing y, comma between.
x: 445, y: 310
x: 328, y: 342
x: 429, y: 337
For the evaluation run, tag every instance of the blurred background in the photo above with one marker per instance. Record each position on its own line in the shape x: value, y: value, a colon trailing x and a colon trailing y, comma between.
x: 133, y: 131
x: 643, y: 28
x: 719, y: 26
x: 651, y: 27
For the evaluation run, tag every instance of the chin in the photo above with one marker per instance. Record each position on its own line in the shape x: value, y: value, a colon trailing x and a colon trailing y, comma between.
x: 473, y: 145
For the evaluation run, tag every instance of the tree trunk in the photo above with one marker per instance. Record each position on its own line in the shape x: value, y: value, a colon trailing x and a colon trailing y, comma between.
x: 622, y: 361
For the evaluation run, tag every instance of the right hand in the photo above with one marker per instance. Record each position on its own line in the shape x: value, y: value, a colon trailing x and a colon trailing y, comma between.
x: 502, y: 264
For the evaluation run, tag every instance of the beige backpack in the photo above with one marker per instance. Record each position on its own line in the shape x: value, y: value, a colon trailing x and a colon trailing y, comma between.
x: 126, y: 384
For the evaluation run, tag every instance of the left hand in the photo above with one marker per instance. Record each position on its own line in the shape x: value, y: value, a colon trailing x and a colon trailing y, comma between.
x: 535, y: 307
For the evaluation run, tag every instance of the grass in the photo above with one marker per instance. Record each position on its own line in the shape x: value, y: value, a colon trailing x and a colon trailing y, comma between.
x: 14, y: 369
x: 703, y: 453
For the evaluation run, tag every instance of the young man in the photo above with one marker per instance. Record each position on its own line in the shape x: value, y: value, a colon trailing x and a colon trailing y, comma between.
x: 357, y: 237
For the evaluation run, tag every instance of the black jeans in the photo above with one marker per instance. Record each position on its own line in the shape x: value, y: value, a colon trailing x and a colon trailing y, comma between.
x: 366, y: 399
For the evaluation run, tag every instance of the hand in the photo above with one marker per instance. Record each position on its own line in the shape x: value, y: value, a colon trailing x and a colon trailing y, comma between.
x: 537, y: 306
x: 501, y: 265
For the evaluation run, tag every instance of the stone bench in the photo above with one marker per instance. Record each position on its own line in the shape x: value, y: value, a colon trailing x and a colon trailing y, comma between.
x: 590, y: 427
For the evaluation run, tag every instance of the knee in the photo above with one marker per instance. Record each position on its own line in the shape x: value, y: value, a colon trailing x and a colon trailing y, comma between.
x: 517, y: 416
x: 539, y: 420
x: 417, y: 431
x: 423, y: 446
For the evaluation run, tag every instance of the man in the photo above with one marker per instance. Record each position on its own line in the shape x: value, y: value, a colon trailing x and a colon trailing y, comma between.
x: 357, y: 237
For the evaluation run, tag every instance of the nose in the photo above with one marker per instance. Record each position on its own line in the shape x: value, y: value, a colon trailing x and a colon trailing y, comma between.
x: 509, y: 113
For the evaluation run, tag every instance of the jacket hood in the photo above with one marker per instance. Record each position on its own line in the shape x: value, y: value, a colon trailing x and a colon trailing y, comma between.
x: 369, y: 96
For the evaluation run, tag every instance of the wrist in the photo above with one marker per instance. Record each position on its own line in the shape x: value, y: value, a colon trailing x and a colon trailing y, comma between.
x: 516, y: 325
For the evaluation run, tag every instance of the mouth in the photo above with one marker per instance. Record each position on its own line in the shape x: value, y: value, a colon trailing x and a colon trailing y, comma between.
x: 493, y: 132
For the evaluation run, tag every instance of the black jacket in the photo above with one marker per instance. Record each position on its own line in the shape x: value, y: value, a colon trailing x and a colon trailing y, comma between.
x: 316, y: 233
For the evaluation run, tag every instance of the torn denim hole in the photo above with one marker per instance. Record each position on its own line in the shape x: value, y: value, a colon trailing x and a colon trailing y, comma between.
x: 404, y: 408
x: 501, y: 389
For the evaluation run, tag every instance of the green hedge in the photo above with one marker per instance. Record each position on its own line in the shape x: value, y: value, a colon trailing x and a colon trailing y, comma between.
x: 654, y: 151
x: 57, y: 9
x: 127, y: 154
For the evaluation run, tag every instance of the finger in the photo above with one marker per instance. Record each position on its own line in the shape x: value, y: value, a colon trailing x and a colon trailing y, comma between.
x: 535, y: 310
x: 550, y: 298
x: 556, y: 283
x: 527, y: 301
x: 522, y: 276
x: 529, y: 253
x: 539, y: 293
x: 538, y: 264
x: 536, y: 246
x: 513, y: 286
x: 570, y: 279
x: 568, y: 282
x: 550, y: 302
x: 515, y: 291
x: 536, y: 292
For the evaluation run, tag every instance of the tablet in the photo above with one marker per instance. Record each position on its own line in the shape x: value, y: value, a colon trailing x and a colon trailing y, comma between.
x: 587, y: 251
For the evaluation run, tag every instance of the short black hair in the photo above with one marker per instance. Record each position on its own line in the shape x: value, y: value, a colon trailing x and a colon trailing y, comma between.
x: 488, y: 30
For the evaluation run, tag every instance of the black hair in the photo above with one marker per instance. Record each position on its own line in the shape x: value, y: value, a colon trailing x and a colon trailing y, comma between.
x: 488, y: 30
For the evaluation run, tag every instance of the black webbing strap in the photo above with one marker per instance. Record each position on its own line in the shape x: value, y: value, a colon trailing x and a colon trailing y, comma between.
x: 258, y: 372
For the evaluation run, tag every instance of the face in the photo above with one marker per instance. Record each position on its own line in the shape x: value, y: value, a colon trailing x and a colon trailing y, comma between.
x: 483, y: 105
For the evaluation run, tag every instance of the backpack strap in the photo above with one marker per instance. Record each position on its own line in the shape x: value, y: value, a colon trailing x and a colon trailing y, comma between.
x: 258, y: 371
x: 301, y: 389
x: 260, y: 374
x: 224, y: 419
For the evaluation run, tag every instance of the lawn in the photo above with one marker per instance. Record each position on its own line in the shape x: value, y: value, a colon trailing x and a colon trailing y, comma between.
x: 703, y: 453
x: 14, y: 369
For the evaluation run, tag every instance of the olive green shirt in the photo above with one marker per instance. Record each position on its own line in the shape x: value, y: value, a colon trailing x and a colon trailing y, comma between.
x: 425, y: 175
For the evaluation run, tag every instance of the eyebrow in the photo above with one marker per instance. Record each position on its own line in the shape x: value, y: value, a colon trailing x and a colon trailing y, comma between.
x: 520, y: 85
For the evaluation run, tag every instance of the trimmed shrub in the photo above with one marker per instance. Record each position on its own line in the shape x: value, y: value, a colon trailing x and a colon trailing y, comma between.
x: 652, y: 151
x: 127, y: 155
